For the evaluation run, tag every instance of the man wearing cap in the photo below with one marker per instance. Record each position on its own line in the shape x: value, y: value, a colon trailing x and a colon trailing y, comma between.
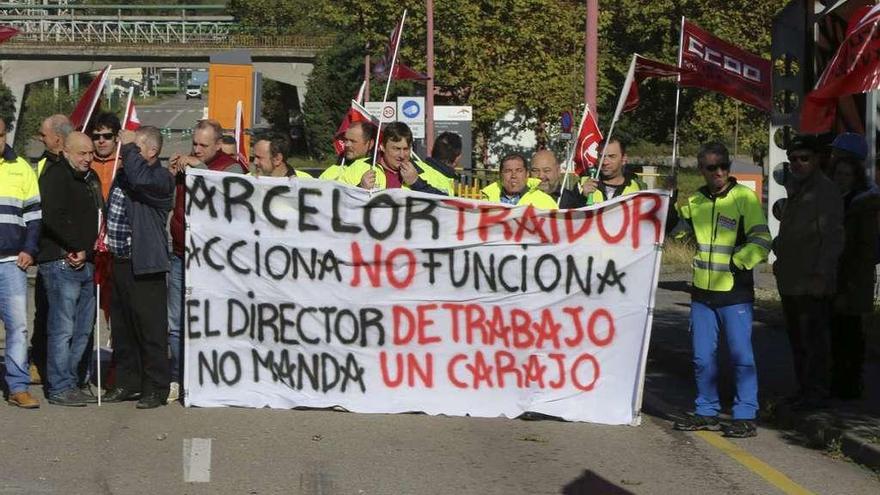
x: 849, y: 145
x: 809, y: 243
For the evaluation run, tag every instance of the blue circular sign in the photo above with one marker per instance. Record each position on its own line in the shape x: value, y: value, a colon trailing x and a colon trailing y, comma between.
x: 566, y: 121
x: 411, y: 109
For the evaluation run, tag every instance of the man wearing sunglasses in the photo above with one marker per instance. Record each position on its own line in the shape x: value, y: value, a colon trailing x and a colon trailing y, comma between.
x: 105, y: 128
x: 808, y: 246
x: 732, y: 237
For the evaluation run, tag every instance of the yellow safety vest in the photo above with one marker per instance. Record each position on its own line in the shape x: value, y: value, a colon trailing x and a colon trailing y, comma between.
x: 353, y: 173
x: 731, y: 233
x: 533, y: 196
x: 632, y: 185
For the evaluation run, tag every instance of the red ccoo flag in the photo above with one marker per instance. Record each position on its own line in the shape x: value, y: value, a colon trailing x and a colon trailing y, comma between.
x: 7, y: 32
x: 711, y: 63
x: 86, y: 105
x: 645, y: 68
x: 854, y: 69
x: 401, y: 71
x: 586, y: 149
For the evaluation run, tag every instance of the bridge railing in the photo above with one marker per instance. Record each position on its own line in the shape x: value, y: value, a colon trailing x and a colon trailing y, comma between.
x: 135, y: 33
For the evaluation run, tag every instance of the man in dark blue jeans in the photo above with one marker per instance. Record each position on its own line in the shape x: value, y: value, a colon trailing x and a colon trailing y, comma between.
x: 70, y: 226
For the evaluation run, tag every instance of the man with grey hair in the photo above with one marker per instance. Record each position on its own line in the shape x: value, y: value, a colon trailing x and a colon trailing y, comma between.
x: 53, y: 132
x: 140, y: 199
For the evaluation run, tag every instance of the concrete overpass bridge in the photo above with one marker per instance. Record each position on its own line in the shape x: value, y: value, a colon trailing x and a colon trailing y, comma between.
x: 60, y: 40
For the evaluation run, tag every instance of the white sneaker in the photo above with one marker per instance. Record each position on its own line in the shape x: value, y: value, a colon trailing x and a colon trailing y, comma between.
x: 173, y: 392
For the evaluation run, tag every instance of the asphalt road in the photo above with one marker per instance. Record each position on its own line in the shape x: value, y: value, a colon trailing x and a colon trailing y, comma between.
x: 118, y: 449
x: 174, y: 113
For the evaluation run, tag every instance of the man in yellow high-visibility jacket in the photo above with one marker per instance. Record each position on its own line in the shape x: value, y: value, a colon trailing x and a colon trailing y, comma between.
x: 516, y: 187
x: 359, y: 139
x: 732, y: 237
x: 396, y: 169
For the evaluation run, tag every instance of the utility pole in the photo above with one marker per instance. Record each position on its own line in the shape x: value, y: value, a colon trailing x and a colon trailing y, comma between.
x: 429, y: 84
x: 591, y: 54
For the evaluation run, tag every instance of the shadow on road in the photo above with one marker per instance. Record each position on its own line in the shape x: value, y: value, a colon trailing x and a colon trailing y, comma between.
x: 591, y: 483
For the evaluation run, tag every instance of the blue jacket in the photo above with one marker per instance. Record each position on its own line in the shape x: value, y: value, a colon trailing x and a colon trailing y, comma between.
x: 20, y: 212
x: 149, y: 196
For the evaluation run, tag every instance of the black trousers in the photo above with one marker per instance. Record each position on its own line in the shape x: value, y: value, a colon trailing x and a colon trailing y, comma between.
x: 808, y: 323
x: 139, y: 319
x: 847, y: 355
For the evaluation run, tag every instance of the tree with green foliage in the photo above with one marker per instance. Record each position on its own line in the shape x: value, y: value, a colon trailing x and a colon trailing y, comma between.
x: 7, y: 106
x: 333, y: 82
x: 527, y: 55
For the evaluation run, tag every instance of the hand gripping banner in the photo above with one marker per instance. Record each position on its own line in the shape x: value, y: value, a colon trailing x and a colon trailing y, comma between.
x: 311, y: 293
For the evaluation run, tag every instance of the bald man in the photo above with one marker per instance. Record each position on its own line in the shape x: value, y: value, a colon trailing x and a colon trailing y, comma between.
x: 546, y: 168
x: 72, y: 195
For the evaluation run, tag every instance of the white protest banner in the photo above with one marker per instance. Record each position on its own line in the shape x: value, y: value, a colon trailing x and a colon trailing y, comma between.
x: 311, y: 293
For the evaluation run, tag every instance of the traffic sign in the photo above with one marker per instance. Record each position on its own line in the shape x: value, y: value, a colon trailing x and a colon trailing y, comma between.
x: 566, y: 122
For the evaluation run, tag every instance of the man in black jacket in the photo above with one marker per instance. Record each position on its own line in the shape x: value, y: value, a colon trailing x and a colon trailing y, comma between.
x: 546, y: 167
x: 137, y: 212
x: 69, y: 229
x: 53, y: 131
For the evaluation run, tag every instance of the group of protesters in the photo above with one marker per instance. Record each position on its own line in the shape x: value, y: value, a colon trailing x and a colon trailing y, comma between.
x: 105, y: 192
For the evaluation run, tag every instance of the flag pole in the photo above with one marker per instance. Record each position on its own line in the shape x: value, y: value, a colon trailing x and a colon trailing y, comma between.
x: 98, y: 323
x: 119, y: 143
x: 621, y: 101
x: 104, y: 75
x: 388, y: 85
x: 677, y: 99
x: 569, y: 158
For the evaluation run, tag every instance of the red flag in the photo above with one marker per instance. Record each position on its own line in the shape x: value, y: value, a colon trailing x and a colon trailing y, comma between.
x: 586, y: 148
x: 89, y: 101
x: 103, y: 266
x: 7, y: 32
x: 132, y: 122
x: 242, y: 154
x: 645, y: 68
x: 354, y: 114
x: 401, y: 71
x: 855, y: 68
x: 714, y: 64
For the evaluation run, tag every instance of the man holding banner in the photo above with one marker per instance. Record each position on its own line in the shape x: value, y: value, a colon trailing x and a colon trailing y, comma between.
x: 515, y: 187
x: 270, y: 158
x: 396, y: 168
x: 732, y: 237
x: 546, y: 168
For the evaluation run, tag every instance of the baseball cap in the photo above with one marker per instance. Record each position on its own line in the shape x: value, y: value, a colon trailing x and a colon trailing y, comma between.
x: 851, y: 143
x: 803, y: 142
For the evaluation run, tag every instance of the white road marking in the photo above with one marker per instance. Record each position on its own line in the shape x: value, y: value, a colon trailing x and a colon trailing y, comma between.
x: 197, y: 460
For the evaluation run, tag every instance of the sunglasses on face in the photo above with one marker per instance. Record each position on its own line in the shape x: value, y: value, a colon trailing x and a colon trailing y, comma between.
x: 713, y: 168
x: 799, y: 158
x: 106, y: 136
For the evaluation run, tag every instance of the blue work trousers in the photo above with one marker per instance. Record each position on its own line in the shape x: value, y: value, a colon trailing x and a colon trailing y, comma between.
x: 736, y: 320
